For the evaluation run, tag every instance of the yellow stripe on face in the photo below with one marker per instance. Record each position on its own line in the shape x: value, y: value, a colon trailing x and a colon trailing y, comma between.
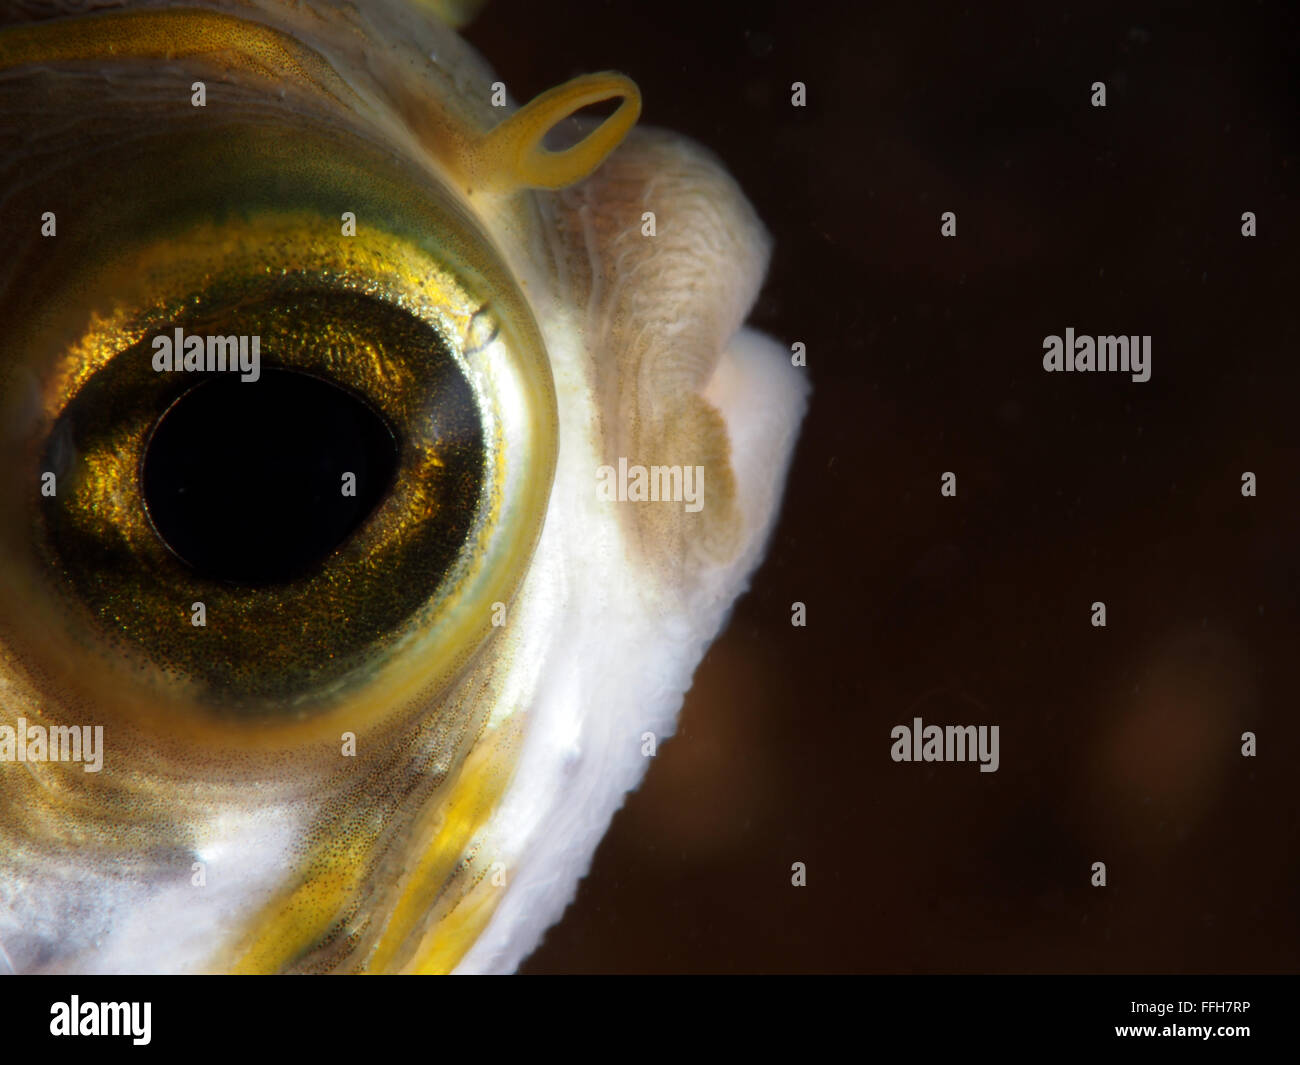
x: 455, y: 13
x: 172, y: 33
x: 447, y: 899
x: 434, y: 912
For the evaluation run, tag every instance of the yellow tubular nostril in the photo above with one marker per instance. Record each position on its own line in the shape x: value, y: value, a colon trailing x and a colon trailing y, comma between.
x: 513, y: 156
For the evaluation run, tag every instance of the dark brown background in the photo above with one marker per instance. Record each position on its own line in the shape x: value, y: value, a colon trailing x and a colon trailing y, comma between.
x: 1119, y: 744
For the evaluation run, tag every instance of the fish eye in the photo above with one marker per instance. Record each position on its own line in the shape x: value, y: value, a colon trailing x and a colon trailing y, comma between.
x: 330, y: 635
x: 233, y: 339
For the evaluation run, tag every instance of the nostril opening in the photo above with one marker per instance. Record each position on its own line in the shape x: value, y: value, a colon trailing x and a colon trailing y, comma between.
x: 569, y: 131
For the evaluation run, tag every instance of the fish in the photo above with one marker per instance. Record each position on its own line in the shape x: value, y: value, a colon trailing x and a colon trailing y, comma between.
x: 401, y: 758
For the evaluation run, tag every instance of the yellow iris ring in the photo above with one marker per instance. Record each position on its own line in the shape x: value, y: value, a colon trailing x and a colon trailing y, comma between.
x: 269, y: 648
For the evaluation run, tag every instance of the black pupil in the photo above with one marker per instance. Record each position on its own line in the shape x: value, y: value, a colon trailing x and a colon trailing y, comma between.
x: 246, y: 481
